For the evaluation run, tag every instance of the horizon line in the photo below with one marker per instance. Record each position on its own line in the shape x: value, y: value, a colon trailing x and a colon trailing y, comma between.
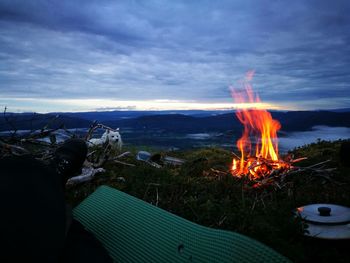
x: 49, y: 105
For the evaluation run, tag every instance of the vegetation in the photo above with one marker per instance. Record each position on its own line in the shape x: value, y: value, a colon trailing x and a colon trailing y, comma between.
x: 199, y: 192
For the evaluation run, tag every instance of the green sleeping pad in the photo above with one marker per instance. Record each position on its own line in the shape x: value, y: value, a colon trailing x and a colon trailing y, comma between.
x: 135, y: 231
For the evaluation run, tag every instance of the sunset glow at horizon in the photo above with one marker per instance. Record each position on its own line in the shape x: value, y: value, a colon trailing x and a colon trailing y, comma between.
x: 76, y: 105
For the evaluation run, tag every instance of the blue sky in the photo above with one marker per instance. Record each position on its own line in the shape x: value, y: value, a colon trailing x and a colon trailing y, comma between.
x: 94, y: 55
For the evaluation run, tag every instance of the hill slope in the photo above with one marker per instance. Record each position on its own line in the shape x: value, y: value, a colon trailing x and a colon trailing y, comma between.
x: 35, y: 121
x: 178, y: 123
x: 291, y: 121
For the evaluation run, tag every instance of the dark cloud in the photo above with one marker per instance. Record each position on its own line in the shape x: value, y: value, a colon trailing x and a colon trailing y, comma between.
x: 176, y: 49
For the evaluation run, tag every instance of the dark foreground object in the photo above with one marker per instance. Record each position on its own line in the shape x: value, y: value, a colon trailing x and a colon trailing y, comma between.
x: 32, y: 218
x: 82, y: 246
x: 344, y: 153
x: 33, y: 212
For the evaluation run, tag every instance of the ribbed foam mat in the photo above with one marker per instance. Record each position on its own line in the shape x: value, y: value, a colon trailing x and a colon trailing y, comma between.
x: 135, y: 231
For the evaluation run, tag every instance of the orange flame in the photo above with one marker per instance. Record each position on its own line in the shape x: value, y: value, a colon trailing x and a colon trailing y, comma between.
x: 258, y: 123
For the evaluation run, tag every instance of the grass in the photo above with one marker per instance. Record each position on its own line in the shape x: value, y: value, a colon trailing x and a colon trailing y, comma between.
x: 194, y: 192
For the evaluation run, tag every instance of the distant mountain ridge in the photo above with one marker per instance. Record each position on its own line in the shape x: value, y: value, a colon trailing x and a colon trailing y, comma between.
x: 119, y: 115
x: 193, y: 121
x: 35, y: 121
x: 290, y: 121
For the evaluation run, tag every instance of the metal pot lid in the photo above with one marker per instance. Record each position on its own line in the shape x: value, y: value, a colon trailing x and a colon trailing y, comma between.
x: 325, y: 213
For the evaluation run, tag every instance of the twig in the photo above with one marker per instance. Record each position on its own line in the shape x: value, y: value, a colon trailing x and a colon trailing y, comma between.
x: 194, y: 212
x: 120, y: 156
x: 128, y: 164
x: 13, y: 148
x: 36, y: 142
x: 13, y: 127
x: 317, y: 164
x: 239, y: 158
x: 298, y: 160
x: 221, y: 221
x: 43, y: 133
x: 154, y: 184
x: 96, y: 126
x: 157, y: 200
x: 219, y: 172
x: 49, y: 123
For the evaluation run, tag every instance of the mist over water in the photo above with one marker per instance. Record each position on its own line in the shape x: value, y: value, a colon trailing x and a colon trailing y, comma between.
x: 170, y: 140
x: 296, y: 139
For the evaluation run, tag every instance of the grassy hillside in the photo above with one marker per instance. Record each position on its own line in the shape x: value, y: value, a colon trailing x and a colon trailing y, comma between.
x: 196, y: 191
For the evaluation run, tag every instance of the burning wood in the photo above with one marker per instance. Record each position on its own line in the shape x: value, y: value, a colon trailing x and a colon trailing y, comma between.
x: 262, y: 172
x: 258, y: 167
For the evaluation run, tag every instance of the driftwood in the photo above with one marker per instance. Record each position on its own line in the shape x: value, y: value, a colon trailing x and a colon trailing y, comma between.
x: 20, y: 144
x: 13, y: 149
x: 96, y: 126
x: 87, y: 174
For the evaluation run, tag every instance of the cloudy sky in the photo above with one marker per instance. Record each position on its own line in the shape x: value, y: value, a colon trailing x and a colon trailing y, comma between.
x: 70, y: 55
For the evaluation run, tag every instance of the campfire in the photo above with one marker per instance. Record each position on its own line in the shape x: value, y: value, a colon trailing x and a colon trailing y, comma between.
x: 259, y: 160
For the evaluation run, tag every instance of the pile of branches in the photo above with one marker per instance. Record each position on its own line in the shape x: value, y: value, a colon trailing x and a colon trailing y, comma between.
x: 42, y: 144
x: 264, y: 173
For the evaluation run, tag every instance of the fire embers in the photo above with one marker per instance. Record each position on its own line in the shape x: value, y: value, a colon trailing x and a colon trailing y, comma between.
x: 259, y: 168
